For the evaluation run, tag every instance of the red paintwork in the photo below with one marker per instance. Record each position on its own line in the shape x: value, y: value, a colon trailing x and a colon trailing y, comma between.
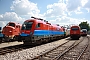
x: 75, y: 32
x: 35, y: 22
x: 11, y: 30
x: 82, y: 33
x: 43, y: 26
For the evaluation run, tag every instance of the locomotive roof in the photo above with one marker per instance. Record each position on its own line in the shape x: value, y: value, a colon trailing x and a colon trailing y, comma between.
x: 84, y: 29
x: 75, y: 26
x: 42, y: 21
x: 39, y: 21
x: 15, y: 23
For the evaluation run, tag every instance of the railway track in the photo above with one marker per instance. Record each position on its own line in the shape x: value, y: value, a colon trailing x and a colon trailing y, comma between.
x: 60, y: 52
x: 86, y: 53
x: 13, y: 49
x: 75, y: 52
x: 70, y: 50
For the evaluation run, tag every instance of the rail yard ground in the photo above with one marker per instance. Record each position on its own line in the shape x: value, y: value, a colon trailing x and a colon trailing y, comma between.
x: 2, y: 45
x: 64, y: 49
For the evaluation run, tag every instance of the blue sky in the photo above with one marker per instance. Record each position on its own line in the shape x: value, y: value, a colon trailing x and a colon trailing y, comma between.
x: 63, y: 12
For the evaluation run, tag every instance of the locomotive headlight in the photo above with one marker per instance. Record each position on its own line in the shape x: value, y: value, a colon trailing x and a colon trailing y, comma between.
x: 10, y: 31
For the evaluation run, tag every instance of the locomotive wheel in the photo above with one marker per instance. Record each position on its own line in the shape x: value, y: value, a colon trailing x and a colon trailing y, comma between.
x: 27, y: 43
x: 0, y: 40
x: 64, y: 35
x: 76, y: 38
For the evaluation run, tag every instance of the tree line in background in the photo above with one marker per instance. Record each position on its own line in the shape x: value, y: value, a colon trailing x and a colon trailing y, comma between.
x: 84, y: 25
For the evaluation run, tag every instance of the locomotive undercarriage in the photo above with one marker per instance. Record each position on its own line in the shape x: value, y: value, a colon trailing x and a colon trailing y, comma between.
x: 8, y: 38
x: 75, y: 36
x: 34, y: 40
x: 1, y: 38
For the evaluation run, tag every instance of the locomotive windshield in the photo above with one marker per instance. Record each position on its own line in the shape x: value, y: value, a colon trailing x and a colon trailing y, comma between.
x: 75, y: 29
x: 27, y: 26
x: 84, y: 30
x: 0, y: 28
x: 11, y: 24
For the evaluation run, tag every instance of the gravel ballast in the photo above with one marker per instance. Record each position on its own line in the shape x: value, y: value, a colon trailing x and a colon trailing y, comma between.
x: 31, y: 52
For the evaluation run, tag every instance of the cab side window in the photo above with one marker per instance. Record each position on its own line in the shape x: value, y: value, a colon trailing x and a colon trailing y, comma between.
x: 38, y: 25
x: 16, y: 26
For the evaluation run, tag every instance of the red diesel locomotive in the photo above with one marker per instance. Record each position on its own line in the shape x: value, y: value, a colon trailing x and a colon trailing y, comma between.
x: 75, y: 32
x: 11, y: 30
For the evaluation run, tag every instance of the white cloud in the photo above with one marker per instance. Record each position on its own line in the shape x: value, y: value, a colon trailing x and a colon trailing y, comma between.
x: 22, y: 10
x: 2, y: 24
x: 83, y: 2
x: 64, y: 20
x: 24, y: 7
x: 78, y: 11
x: 10, y: 16
x: 56, y: 9
x: 64, y: 7
x: 73, y: 5
x: 60, y: 12
x: 87, y: 5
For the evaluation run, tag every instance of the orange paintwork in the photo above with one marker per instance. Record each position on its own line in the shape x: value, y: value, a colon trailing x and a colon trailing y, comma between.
x: 11, y: 29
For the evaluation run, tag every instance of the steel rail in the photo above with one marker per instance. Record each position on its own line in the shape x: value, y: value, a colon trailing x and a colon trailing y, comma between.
x: 57, y: 57
x: 83, y: 50
x: 48, y: 51
x: 13, y: 49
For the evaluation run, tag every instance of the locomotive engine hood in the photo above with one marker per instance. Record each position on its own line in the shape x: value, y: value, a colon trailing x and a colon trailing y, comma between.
x: 8, y: 30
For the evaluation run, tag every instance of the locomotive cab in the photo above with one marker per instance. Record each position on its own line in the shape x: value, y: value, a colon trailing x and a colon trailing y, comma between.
x: 11, y: 30
x: 27, y: 28
x: 75, y: 32
x: 84, y: 32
